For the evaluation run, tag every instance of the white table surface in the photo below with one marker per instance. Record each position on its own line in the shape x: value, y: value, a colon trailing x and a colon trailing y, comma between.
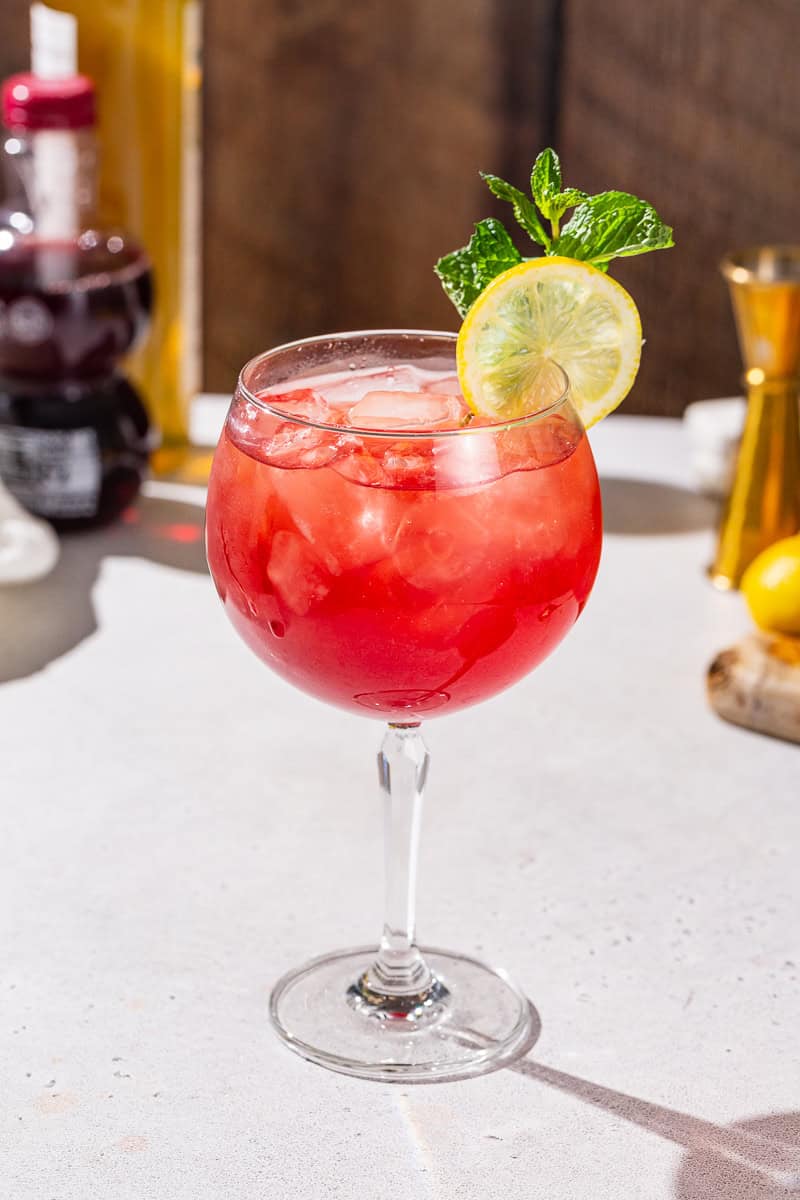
x: 179, y: 827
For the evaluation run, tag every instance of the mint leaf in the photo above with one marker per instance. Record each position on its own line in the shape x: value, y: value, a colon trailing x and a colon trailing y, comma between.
x: 546, y: 180
x: 524, y: 210
x: 612, y: 225
x: 570, y: 197
x: 466, y: 272
x: 564, y: 200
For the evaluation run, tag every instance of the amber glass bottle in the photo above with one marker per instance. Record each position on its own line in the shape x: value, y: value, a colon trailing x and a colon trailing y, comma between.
x: 144, y: 57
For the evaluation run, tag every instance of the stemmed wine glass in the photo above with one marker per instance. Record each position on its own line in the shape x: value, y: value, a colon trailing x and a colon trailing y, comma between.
x: 386, y: 551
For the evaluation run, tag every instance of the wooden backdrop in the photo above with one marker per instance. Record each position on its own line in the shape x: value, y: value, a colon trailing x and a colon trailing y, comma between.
x: 343, y: 143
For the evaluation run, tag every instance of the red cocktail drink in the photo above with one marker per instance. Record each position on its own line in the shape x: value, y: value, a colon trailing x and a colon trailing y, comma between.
x: 386, y: 553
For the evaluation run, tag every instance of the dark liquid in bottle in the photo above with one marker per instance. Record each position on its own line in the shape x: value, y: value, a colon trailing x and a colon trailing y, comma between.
x: 71, y: 309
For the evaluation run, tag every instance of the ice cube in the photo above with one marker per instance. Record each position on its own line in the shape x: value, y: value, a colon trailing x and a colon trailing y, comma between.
x: 467, y: 461
x: 348, y: 527
x: 443, y: 549
x: 392, y: 464
x: 344, y: 389
x: 467, y: 548
x: 362, y: 464
x: 296, y: 573
x: 307, y: 404
x: 540, y: 443
x: 431, y: 560
x: 443, y: 385
x: 417, y: 464
x: 411, y: 466
x: 406, y: 410
x: 294, y: 444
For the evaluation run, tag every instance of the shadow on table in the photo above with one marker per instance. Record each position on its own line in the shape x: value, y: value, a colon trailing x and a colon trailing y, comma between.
x: 41, y: 621
x: 706, y: 1176
x: 751, y: 1160
x: 639, y: 507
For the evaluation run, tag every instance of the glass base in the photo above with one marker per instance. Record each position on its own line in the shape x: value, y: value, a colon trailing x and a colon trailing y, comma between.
x: 474, y: 1021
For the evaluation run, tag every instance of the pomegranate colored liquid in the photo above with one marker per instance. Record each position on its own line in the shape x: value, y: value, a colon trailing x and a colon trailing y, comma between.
x: 411, y: 567
x: 71, y: 309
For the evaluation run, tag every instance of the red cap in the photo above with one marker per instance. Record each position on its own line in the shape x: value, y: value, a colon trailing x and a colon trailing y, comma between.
x: 31, y: 103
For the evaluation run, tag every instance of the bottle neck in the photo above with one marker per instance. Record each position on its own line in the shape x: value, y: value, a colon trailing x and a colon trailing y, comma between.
x: 63, y: 182
x: 51, y: 181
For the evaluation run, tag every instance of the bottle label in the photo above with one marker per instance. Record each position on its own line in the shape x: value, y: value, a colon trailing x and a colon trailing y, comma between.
x: 52, y: 472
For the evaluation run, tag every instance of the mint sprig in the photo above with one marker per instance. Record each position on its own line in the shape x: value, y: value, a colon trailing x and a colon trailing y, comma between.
x: 603, y: 227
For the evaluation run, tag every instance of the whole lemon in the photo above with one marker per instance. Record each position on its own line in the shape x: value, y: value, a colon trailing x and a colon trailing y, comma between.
x: 771, y: 587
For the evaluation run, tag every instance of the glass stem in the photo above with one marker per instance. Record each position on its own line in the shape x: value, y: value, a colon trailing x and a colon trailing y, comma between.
x: 399, y: 969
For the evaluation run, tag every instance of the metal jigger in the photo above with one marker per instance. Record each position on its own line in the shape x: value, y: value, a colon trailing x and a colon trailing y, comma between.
x: 764, y: 502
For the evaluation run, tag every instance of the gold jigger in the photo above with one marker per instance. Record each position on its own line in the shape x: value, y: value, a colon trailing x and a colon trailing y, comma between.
x: 764, y: 502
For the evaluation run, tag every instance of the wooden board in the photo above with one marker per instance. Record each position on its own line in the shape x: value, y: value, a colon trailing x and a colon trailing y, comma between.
x: 756, y: 683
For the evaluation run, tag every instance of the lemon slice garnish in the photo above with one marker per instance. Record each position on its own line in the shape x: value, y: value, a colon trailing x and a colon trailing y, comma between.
x: 539, y: 315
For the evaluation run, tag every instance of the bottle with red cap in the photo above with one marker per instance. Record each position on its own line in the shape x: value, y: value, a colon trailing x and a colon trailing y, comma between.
x: 74, y: 299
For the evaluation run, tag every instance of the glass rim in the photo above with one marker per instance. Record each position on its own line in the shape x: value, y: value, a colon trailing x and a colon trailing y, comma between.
x: 346, y: 430
x: 745, y: 264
